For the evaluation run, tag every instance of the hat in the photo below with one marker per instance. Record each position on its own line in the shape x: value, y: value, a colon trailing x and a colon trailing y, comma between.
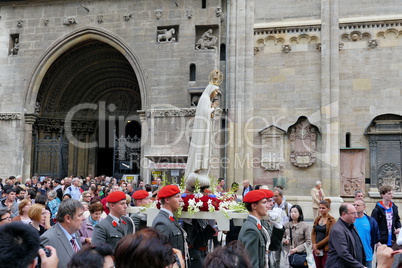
x: 267, y: 192
x: 201, y: 176
x: 168, y: 191
x: 254, y: 196
x: 140, y: 194
x: 116, y: 197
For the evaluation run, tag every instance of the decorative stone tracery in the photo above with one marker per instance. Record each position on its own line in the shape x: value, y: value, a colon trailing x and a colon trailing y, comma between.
x: 272, y: 152
x: 303, y: 143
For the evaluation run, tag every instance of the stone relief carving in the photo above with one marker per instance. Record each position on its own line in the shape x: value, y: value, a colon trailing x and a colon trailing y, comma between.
x: 45, y: 21
x: 352, y: 171
x: 166, y: 35
x: 57, y: 125
x: 158, y: 14
x: 286, y: 48
x: 16, y: 46
x: 189, y: 13
x: 70, y: 21
x: 127, y: 17
x: 256, y: 50
x: 171, y: 112
x: 389, y: 174
x: 272, y: 144
x: 373, y: 43
x: 20, y: 23
x: 207, y: 41
x: 10, y: 116
x: 341, y: 44
x: 219, y: 13
x: 303, y: 143
x: 318, y: 46
x: 99, y: 18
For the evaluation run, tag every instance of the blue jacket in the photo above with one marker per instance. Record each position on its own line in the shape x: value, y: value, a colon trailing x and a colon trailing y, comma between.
x: 374, y: 231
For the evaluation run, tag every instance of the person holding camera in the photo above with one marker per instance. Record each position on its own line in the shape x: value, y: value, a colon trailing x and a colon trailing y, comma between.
x: 320, y: 233
x: 19, y: 247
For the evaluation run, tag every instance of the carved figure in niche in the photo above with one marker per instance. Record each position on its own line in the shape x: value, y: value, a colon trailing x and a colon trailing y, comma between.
x: 388, y: 174
x: 355, y: 37
x: 20, y: 23
x: 16, y: 47
x: 158, y: 14
x: 207, y: 41
x: 199, y: 153
x: 166, y: 35
x: 303, y: 140
x: 372, y: 43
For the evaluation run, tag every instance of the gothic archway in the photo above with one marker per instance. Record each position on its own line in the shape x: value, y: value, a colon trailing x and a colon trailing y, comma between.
x: 84, y: 100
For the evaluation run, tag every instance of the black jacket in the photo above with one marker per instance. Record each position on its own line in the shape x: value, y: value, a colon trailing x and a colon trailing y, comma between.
x: 378, y: 214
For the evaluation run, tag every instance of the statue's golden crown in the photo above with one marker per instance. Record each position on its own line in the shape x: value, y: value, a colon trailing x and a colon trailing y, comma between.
x: 215, y: 77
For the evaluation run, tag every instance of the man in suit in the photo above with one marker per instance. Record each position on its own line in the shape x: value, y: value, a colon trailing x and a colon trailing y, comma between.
x: 255, y: 237
x: 116, y: 225
x: 63, y: 235
x: 246, y: 188
x: 165, y: 221
x: 345, y: 246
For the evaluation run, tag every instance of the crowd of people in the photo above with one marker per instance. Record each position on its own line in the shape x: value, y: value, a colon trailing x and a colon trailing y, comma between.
x: 84, y: 222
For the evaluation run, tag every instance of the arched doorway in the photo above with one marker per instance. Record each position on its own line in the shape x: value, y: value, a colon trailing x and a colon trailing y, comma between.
x: 83, y: 103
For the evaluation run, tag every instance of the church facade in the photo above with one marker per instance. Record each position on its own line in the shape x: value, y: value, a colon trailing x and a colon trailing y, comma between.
x: 311, y: 90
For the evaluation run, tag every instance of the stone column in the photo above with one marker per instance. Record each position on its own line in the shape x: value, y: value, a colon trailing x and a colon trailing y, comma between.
x: 27, y: 152
x: 330, y: 95
x: 240, y: 75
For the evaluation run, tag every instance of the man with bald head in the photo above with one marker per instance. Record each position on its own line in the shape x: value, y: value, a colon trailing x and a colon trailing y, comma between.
x: 345, y: 245
x: 246, y: 188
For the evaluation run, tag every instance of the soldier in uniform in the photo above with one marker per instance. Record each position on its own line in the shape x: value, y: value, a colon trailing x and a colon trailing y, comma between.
x: 141, y: 199
x: 165, y: 221
x: 116, y: 225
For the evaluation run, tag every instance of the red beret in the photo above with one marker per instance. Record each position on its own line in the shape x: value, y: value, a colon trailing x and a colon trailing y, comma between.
x: 140, y: 194
x: 268, y: 193
x: 116, y: 197
x: 168, y: 191
x: 254, y: 196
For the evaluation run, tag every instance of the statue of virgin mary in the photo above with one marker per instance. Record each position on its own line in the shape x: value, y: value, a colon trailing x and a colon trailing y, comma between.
x: 200, y: 145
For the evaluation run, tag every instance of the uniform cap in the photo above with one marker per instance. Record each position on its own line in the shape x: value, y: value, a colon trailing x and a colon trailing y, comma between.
x: 254, y: 196
x: 168, y: 191
x: 267, y: 192
x: 116, y: 197
x: 140, y: 194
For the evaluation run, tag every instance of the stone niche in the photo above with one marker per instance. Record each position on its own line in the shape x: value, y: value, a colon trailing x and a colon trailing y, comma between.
x: 385, y: 138
x: 303, y: 143
x: 272, y: 143
x: 352, y: 171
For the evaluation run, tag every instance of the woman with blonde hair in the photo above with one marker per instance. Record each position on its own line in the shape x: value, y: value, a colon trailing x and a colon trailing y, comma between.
x: 23, y: 208
x: 320, y: 233
x: 37, y: 213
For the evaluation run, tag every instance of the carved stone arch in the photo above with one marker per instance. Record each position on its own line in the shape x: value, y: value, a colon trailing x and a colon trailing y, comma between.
x: 366, y: 36
x: 391, y: 33
x: 345, y: 37
x: 303, y: 138
x: 355, y: 36
x: 65, y: 43
x: 271, y: 39
x: 385, y: 140
x: 293, y: 40
x: 260, y: 42
x: 97, y: 72
x: 303, y: 39
x: 314, y: 39
x: 381, y: 35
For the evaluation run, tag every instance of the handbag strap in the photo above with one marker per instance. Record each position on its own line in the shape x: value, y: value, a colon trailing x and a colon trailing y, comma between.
x: 290, y: 230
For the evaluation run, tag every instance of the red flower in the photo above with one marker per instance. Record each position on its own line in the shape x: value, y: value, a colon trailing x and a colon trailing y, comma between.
x: 122, y: 221
x: 259, y: 226
x: 114, y: 223
x: 171, y: 218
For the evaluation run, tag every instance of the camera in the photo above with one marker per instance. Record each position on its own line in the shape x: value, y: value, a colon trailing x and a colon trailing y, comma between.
x: 48, y: 254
